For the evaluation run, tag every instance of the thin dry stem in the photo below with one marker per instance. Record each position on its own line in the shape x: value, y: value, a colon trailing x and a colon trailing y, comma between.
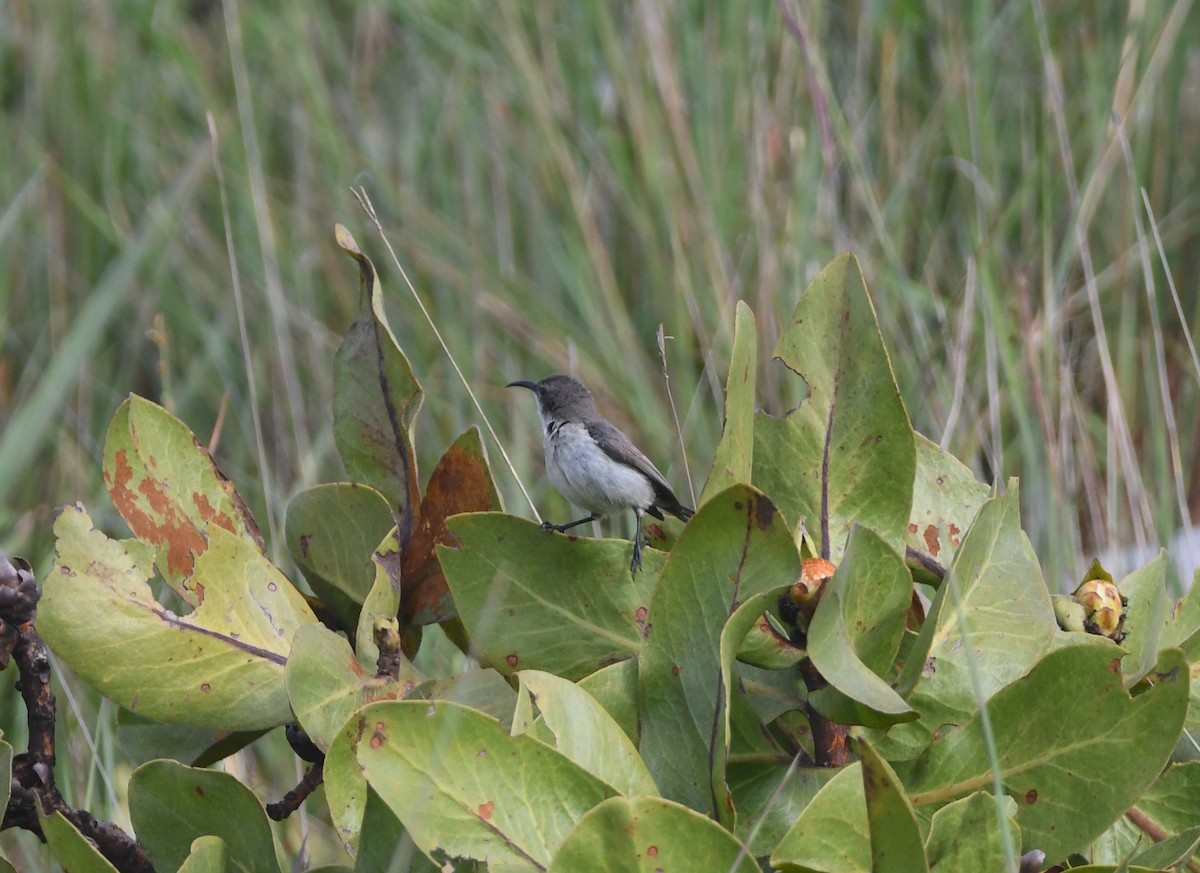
x: 364, y: 200
x: 235, y: 277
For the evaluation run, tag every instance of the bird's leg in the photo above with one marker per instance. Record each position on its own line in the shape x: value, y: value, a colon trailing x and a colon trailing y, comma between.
x: 636, y: 564
x: 563, y: 528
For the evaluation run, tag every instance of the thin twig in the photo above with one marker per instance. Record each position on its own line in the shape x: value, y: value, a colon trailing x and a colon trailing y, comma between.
x: 364, y: 201
x: 260, y: 444
x: 662, y: 356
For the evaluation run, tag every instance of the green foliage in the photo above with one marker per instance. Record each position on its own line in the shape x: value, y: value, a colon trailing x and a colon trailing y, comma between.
x: 637, y: 722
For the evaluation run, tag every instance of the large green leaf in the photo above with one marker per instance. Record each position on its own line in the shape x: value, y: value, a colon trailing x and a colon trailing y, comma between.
x: 537, y: 601
x: 733, y: 461
x: 769, y: 797
x: 1170, y: 807
x: 965, y: 836
x: 649, y: 835
x: 172, y: 806
x: 831, y: 835
x: 1073, y: 749
x: 856, y: 632
x: 745, y: 617
x: 847, y: 454
x: 615, y: 688
x: 169, y: 491
x: 896, y: 845
x: 375, y: 399
x: 463, y: 788
x: 992, y: 616
x: 737, y: 546
x: 331, y: 532
x: 220, y: 666
x: 587, y: 734
x: 1147, y: 617
x: 946, y: 499
x: 326, y: 683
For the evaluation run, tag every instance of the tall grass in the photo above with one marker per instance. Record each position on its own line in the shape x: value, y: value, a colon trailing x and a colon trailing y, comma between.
x: 560, y: 179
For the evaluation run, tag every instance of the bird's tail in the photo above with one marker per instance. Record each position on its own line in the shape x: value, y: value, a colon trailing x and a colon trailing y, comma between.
x: 681, y: 512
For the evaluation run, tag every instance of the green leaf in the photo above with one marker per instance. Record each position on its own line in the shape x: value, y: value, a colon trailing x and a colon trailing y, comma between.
x: 463, y: 788
x: 461, y: 482
x: 856, y: 632
x: 1170, y: 852
x: 647, y: 835
x: 1074, y: 750
x: 733, y: 461
x: 70, y: 848
x: 385, y: 847
x: 331, y: 532
x: 767, y: 645
x: 1171, y: 804
x: 587, y: 734
x: 733, y: 636
x: 831, y: 835
x: 172, y: 805
x: 326, y: 683
x: 221, y: 666
x: 847, y: 454
x: 537, y: 601
x: 483, y: 690
x: 965, y: 836
x: 208, y: 855
x: 615, y: 688
x: 382, y: 602
x: 993, y: 610
x: 169, y: 491
x: 6, y: 867
x: 346, y: 791
x: 896, y: 845
x: 375, y: 399
x: 769, y: 798
x: 946, y: 499
x: 143, y: 739
x: 1147, y: 617
x: 736, y: 546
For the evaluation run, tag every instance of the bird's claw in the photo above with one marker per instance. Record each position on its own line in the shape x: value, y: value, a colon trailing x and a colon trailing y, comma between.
x: 550, y: 528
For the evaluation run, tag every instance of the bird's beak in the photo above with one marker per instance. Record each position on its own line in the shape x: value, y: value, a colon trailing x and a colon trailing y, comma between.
x: 523, y: 383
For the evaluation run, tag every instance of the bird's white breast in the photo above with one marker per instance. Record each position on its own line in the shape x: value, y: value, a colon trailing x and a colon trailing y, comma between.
x: 589, y: 478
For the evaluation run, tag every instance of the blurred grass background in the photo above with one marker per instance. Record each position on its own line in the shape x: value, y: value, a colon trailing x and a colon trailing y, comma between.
x: 1019, y: 180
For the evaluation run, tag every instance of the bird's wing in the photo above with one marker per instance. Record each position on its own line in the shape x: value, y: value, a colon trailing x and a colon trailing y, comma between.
x: 617, y: 446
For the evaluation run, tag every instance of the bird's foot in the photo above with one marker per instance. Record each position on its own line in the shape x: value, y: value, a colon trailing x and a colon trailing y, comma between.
x: 551, y: 528
x: 636, y: 563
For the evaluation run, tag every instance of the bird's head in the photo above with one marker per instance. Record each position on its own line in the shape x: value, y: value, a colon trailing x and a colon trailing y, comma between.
x: 561, y: 398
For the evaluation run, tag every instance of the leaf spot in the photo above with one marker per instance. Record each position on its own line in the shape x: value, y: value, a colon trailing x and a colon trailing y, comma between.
x: 486, y: 810
x: 205, y: 688
x: 652, y: 852
x: 512, y: 660
x: 764, y: 513
x: 380, y: 736
x: 931, y: 540
x: 1031, y: 796
x: 305, y: 539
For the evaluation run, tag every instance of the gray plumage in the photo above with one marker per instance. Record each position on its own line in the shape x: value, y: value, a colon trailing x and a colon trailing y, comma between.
x: 593, y: 464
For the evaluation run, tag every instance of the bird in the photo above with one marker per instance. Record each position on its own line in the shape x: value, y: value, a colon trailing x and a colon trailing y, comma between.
x: 593, y: 464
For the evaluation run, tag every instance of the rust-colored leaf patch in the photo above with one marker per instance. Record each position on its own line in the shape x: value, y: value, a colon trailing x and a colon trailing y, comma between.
x: 461, y: 482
